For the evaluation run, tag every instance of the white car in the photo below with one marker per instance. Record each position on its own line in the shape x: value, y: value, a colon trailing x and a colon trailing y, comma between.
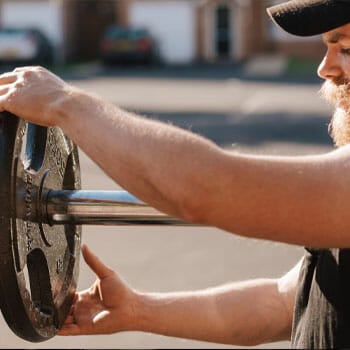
x: 26, y: 45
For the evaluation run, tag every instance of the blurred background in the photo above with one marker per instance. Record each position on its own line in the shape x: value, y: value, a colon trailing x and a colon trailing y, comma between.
x: 220, y: 68
x: 152, y: 31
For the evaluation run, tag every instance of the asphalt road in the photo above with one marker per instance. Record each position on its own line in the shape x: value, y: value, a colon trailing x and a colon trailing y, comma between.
x: 275, y: 117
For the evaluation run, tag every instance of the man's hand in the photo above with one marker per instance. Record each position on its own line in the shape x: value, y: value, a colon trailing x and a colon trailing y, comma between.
x: 105, y: 308
x: 32, y: 93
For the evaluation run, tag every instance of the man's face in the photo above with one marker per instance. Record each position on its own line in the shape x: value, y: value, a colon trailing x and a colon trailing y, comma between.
x: 335, y: 69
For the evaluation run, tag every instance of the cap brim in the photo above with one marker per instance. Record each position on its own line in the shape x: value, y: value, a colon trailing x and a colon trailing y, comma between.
x: 310, y: 17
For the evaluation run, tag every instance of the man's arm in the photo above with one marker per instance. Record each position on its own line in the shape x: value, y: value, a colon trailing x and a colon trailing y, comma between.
x: 240, y: 313
x: 298, y: 200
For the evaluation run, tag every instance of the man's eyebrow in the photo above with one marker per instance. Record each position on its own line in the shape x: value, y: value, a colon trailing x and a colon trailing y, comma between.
x: 335, y: 37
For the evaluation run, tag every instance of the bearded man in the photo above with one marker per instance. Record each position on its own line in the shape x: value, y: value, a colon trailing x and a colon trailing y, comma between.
x: 297, y: 200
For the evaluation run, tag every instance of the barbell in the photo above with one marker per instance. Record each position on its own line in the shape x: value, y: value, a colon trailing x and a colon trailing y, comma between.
x: 42, y: 208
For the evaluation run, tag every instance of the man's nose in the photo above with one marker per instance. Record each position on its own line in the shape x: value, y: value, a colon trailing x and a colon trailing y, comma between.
x: 330, y: 68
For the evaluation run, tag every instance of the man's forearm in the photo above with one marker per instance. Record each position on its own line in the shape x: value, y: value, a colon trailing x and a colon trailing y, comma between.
x: 164, y: 166
x: 245, y: 313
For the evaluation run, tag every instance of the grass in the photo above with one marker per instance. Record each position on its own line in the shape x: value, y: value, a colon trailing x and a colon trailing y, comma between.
x: 302, y: 67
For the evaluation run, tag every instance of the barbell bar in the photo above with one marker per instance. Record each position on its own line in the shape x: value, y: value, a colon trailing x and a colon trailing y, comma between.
x: 101, y: 208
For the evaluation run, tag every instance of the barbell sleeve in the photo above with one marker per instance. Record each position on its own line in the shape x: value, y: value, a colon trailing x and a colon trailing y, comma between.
x: 81, y: 207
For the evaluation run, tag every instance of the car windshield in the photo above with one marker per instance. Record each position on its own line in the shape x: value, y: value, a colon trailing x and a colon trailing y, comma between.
x: 124, y: 33
x: 10, y: 31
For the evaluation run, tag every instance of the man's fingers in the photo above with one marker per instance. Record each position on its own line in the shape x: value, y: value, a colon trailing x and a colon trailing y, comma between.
x: 100, y: 269
x: 69, y: 329
x: 4, y: 89
x: 4, y: 96
x: 19, y: 69
x: 8, y: 78
x: 25, y: 68
x: 69, y: 320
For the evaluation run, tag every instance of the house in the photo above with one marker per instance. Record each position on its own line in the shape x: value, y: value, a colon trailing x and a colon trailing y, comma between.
x: 186, y: 30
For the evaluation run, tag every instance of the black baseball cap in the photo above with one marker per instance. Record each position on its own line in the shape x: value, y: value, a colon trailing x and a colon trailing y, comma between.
x: 310, y: 17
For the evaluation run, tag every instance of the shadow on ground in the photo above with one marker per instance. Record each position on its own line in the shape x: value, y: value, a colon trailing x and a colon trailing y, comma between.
x: 226, y: 129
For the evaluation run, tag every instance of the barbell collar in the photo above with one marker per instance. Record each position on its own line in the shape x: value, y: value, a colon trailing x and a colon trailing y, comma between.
x: 80, y: 207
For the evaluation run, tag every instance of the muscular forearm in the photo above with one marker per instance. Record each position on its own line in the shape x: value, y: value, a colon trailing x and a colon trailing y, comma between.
x: 246, y: 313
x: 166, y: 167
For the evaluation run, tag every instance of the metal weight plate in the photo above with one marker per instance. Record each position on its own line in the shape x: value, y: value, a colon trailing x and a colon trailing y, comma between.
x: 39, y: 263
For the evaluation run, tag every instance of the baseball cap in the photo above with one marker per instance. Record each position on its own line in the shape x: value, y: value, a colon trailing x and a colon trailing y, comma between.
x: 310, y: 17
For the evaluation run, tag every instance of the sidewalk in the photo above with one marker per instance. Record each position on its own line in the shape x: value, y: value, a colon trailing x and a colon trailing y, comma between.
x: 266, y: 66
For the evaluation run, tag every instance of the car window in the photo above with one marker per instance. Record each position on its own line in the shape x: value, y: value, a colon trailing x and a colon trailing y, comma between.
x: 138, y: 33
x: 14, y: 33
x: 116, y: 33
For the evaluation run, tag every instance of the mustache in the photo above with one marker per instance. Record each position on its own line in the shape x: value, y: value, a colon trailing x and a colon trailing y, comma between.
x: 335, y: 91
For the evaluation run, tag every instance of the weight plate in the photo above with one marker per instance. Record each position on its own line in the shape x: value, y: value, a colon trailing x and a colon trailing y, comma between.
x: 39, y: 263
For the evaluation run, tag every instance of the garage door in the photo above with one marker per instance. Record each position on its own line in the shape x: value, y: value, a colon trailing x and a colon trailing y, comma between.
x: 172, y: 23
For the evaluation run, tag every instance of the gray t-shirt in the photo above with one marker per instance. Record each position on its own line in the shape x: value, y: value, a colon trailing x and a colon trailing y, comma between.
x: 322, y: 309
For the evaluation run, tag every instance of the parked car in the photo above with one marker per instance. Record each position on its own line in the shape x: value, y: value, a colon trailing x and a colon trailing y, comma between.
x: 127, y: 45
x: 24, y: 46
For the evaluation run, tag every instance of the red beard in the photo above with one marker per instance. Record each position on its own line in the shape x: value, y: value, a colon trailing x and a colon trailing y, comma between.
x: 338, y: 94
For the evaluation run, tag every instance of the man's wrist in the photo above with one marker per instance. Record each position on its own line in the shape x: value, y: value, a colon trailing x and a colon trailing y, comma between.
x: 63, y: 106
x: 143, y: 312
